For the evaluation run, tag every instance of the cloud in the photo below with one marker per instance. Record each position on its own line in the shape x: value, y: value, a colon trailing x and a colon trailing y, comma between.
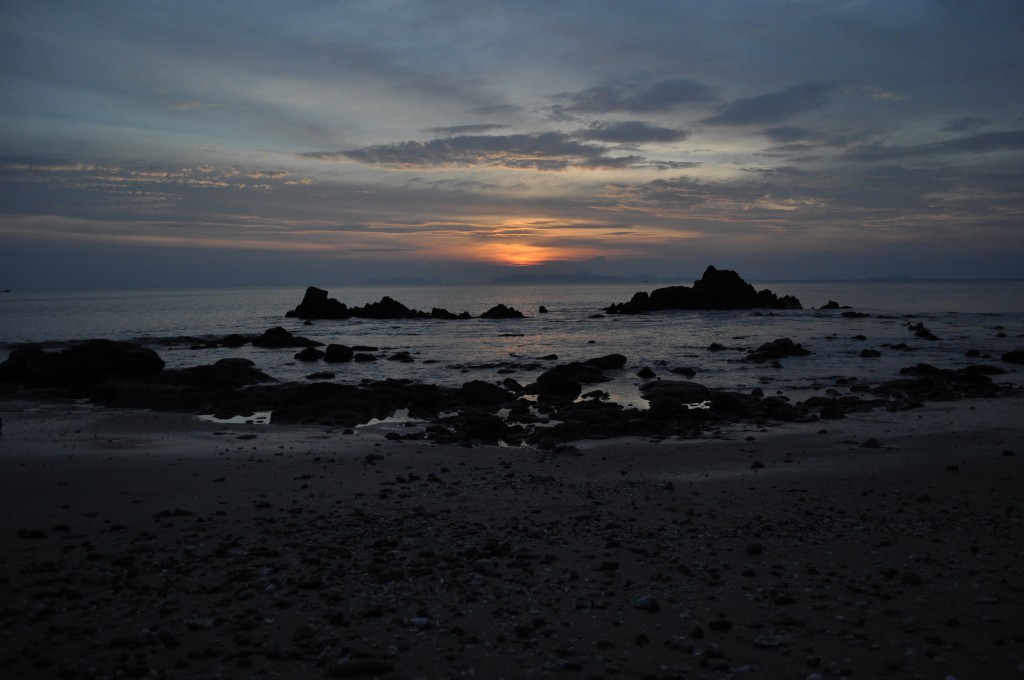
x: 551, y: 151
x: 663, y: 95
x: 773, y: 107
x: 630, y: 132
x: 464, y: 129
x: 1011, y: 140
x: 964, y: 124
x: 800, y: 140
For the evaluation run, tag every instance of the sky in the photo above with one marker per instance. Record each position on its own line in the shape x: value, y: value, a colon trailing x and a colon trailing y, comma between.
x: 311, y: 142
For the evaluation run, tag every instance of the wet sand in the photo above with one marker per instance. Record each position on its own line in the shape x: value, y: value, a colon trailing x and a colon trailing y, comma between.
x: 139, y: 544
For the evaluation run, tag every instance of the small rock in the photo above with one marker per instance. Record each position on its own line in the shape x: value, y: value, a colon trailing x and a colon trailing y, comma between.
x: 648, y: 603
x: 768, y: 641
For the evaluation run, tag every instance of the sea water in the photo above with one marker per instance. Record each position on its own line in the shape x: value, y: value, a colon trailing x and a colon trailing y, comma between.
x: 987, y: 316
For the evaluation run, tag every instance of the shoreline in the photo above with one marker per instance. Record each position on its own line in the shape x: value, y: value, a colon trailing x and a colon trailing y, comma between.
x: 157, y: 545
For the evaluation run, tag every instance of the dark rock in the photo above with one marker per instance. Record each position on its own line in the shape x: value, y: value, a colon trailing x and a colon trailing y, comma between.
x: 921, y: 332
x: 500, y: 311
x: 775, y: 350
x: 403, y: 357
x: 310, y: 354
x: 542, y: 310
x: 682, y: 391
x: 666, y: 409
x: 854, y: 315
x: 278, y: 337
x: 647, y: 603
x: 316, y: 305
x: 832, y: 304
x: 323, y: 375
x: 234, y: 362
x: 86, y: 364
x: 387, y: 308
x: 716, y: 289
x: 336, y: 354
x: 870, y: 353
x: 646, y: 373
x: 438, y: 313
x: 566, y: 381
x: 360, y: 668
x: 481, y: 392
x: 983, y: 369
x: 555, y: 384
x: 1014, y: 357
x: 234, y: 340
x: 362, y: 356
x: 609, y: 361
x: 684, y: 370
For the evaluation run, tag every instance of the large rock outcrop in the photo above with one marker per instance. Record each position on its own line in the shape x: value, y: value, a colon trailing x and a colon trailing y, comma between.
x: 316, y: 305
x: 716, y: 289
x: 85, y: 364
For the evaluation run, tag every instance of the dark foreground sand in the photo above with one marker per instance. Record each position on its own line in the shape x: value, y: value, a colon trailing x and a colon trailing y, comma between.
x: 152, y: 545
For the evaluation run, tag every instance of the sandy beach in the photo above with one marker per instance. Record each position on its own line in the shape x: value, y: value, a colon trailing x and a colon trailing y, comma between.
x: 149, y: 545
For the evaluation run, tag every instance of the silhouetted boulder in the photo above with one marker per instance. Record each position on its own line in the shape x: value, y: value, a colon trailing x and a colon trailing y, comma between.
x: 500, y: 311
x: 479, y: 392
x: 278, y: 337
x: 1014, y: 357
x: 777, y: 349
x: 316, y: 305
x: 716, y: 289
x: 682, y: 391
x: 310, y: 354
x: 86, y: 364
x: 337, y: 354
x: 608, y: 361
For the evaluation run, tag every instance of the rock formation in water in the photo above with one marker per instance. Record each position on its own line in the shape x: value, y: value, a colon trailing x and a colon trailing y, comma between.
x: 316, y: 305
x: 716, y: 289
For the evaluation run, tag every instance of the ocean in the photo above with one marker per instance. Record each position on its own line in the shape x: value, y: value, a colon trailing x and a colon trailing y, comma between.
x: 986, y: 316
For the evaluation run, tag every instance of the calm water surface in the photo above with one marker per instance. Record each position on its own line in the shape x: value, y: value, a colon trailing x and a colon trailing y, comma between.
x: 983, y: 315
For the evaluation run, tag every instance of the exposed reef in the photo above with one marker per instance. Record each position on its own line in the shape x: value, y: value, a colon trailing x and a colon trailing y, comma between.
x: 316, y: 305
x: 547, y: 413
x: 716, y: 289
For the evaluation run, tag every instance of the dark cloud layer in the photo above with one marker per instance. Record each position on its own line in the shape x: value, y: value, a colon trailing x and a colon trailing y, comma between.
x: 631, y: 132
x: 663, y: 95
x: 550, y: 151
x: 774, y: 107
x: 988, y: 142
